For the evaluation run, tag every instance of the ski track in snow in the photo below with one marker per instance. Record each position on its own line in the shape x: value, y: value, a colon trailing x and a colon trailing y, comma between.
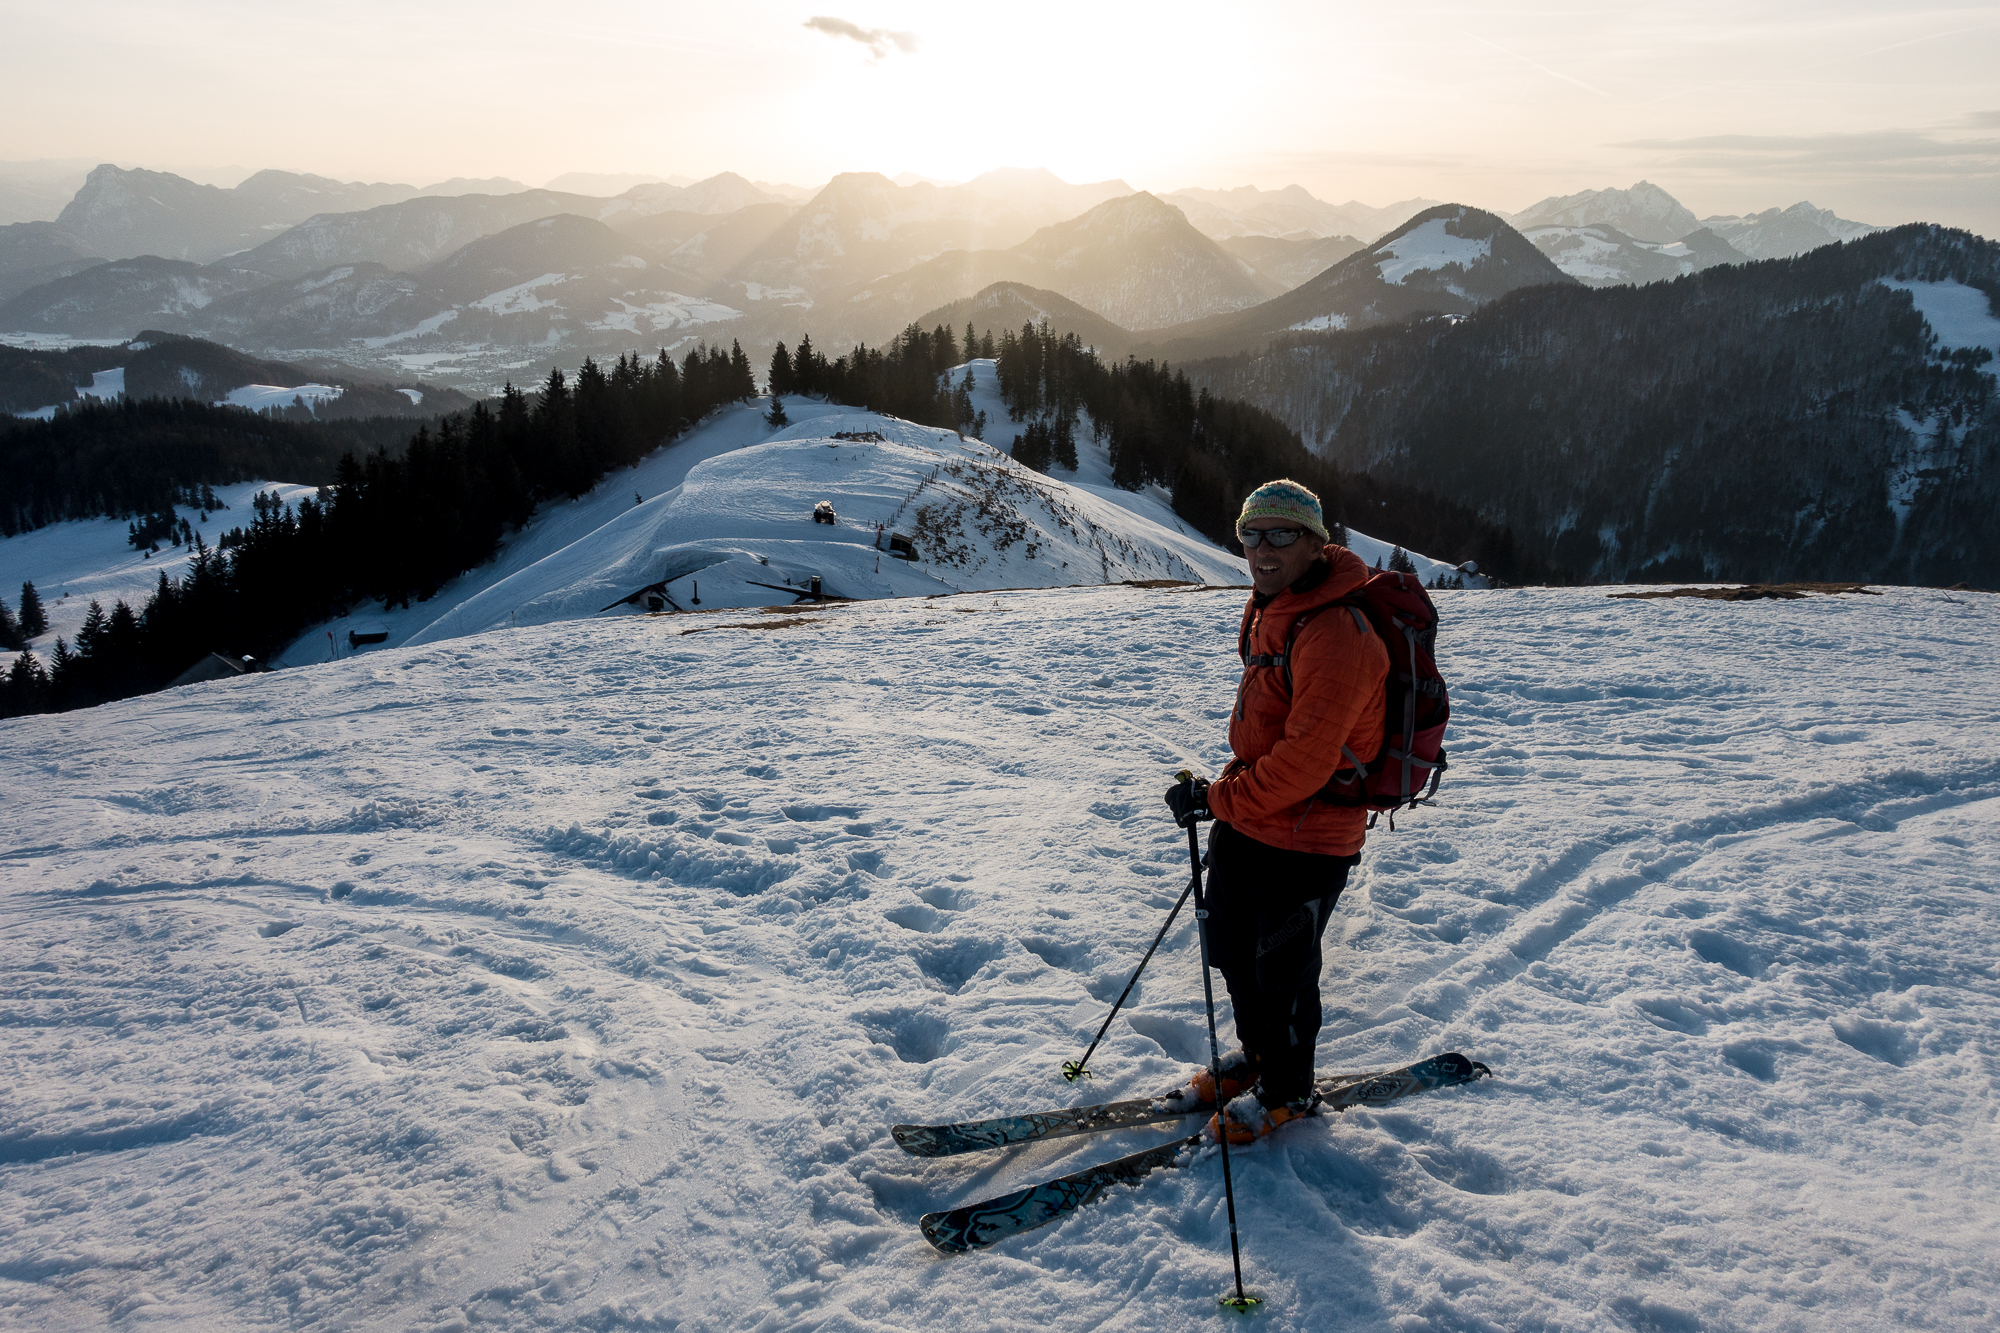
x: 570, y: 977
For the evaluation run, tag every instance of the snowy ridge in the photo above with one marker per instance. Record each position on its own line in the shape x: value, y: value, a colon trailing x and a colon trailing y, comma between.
x: 572, y: 980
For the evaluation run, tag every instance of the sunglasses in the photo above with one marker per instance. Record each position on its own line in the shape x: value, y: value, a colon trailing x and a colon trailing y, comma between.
x: 1275, y: 537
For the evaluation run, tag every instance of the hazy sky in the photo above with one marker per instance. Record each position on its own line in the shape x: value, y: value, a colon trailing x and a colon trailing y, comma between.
x: 1884, y: 113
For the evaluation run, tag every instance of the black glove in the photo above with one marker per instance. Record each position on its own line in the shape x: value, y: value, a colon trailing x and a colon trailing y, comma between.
x: 1188, y: 799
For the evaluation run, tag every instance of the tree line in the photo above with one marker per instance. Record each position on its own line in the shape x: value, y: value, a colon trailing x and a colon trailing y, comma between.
x: 1209, y: 451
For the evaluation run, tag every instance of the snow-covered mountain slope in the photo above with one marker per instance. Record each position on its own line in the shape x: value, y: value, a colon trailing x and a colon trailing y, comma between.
x: 571, y: 980
x: 1644, y: 212
x: 1777, y: 233
x: 411, y: 234
x: 1450, y: 260
x: 547, y: 292
x: 725, y: 515
x: 1600, y: 255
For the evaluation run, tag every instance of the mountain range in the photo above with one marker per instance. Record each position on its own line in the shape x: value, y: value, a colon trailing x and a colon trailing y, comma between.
x: 290, y: 265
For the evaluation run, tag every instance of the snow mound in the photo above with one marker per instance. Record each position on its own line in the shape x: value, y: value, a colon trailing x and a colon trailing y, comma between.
x: 739, y: 531
x: 1429, y: 246
x: 258, y: 397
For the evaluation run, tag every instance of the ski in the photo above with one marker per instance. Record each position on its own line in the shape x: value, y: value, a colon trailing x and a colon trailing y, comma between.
x: 1007, y: 1130
x: 956, y: 1230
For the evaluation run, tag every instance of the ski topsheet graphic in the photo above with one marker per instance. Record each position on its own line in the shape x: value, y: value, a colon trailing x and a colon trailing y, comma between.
x: 977, y: 1224
x: 1007, y: 1130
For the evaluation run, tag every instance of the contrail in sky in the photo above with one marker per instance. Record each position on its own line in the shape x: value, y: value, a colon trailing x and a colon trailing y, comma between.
x: 1552, y: 73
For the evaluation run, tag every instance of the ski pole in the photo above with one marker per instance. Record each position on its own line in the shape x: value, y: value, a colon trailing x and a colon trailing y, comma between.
x: 1240, y: 1301
x: 1076, y: 1069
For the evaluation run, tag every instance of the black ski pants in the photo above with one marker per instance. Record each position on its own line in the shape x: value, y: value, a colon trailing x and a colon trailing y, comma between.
x: 1267, y: 908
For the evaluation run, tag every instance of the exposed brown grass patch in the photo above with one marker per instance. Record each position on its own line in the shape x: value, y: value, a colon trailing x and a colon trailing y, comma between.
x: 1754, y: 592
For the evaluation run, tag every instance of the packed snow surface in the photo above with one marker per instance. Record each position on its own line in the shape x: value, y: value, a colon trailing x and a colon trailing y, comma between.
x: 258, y: 397
x: 570, y: 977
x: 1959, y: 315
x: 1428, y: 247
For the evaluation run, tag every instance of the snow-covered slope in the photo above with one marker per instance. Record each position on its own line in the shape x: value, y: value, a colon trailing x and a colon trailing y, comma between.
x: 1448, y: 260
x: 1600, y: 255
x: 571, y: 980
x: 74, y: 563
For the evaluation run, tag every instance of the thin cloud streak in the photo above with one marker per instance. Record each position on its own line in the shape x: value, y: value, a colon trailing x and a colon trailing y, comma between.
x: 1552, y: 73
x: 877, y: 40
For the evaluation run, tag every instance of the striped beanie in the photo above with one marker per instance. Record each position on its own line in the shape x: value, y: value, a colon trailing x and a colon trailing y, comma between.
x: 1284, y: 499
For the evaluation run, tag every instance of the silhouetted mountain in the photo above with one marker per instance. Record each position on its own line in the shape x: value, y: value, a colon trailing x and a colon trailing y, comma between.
x: 115, y: 299
x: 128, y: 213
x: 1009, y: 305
x: 1600, y: 255
x: 1644, y: 213
x: 1133, y: 259
x: 408, y: 235
x: 1777, y: 233
x: 860, y: 227
x: 1447, y: 260
x: 1287, y: 261
x: 1829, y: 416
x: 32, y: 253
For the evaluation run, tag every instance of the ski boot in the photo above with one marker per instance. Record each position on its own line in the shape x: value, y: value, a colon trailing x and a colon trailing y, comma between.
x: 1246, y: 1119
x: 1238, y: 1076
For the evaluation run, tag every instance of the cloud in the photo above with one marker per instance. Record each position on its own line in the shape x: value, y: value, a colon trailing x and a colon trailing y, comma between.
x: 1874, y: 152
x: 877, y: 40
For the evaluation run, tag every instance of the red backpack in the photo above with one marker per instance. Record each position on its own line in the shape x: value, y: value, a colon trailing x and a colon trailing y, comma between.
x: 1406, y: 772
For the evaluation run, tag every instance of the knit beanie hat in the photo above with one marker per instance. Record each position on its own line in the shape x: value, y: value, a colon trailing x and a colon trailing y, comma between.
x: 1284, y: 499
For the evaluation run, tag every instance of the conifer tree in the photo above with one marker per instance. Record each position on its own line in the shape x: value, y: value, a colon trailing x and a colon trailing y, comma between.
x: 971, y: 342
x: 741, y: 377
x: 781, y: 371
x: 1399, y: 560
x: 776, y: 418
x: 10, y: 633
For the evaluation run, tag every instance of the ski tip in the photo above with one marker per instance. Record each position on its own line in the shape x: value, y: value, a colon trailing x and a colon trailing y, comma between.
x: 916, y: 1140
x: 1466, y: 1069
x: 944, y: 1237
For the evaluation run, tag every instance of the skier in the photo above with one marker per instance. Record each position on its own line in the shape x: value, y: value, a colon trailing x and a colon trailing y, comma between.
x: 1280, y: 854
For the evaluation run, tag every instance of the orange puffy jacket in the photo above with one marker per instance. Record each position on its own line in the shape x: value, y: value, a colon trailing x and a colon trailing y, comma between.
x: 1288, y: 743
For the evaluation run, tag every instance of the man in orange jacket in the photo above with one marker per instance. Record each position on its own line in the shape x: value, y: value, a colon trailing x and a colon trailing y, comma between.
x: 1280, y: 853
